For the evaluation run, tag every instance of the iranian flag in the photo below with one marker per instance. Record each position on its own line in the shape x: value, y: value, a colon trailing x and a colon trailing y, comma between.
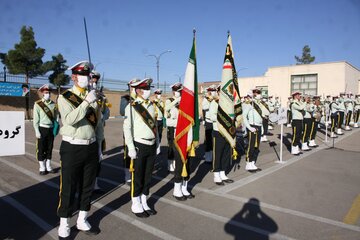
x: 187, y: 128
x: 229, y: 97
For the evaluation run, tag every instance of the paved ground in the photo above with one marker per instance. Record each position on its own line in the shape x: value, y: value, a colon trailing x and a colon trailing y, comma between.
x: 312, y: 196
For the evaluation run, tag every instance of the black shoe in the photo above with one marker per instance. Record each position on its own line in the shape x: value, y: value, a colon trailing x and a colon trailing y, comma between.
x: 252, y: 171
x: 220, y: 183
x: 52, y: 171
x: 151, y: 212
x: 182, y: 198
x: 191, y: 196
x: 43, y: 172
x: 91, y: 232
x: 171, y: 172
x: 258, y: 169
x: 98, y: 191
x: 142, y: 214
x: 228, y: 181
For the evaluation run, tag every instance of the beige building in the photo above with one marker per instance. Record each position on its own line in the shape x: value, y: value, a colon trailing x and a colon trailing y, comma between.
x: 314, y: 79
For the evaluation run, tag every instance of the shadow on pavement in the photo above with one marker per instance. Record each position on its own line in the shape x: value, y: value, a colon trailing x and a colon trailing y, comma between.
x: 251, y: 223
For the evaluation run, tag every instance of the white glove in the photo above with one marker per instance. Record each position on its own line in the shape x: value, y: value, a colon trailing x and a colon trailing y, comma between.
x: 91, y: 96
x: 132, y: 153
x: 252, y: 129
x: 38, y: 135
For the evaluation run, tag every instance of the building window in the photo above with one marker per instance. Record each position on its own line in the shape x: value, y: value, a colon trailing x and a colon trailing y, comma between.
x: 306, y: 84
x: 264, y: 90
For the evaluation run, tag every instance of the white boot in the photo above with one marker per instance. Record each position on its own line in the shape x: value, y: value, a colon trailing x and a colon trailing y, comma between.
x: 339, y: 132
x: 217, y: 178
x: 184, y: 190
x: 136, y: 206
x: 312, y: 143
x: 82, y: 224
x: 224, y: 178
x: 294, y: 150
x: 208, y: 156
x: 270, y: 127
x: 254, y: 166
x: 263, y: 139
x: 177, y: 193
x: 250, y: 166
x: 48, y: 166
x: 347, y: 128
x: 288, y: 125
x: 305, y: 147
x: 356, y: 125
x: 332, y: 135
x: 64, y: 229
x: 144, y: 202
x: 42, y: 168
x: 171, y: 165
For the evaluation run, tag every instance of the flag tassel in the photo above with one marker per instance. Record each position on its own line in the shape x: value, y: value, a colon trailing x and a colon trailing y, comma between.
x: 131, y: 168
x: 184, y: 172
x: 192, y: 150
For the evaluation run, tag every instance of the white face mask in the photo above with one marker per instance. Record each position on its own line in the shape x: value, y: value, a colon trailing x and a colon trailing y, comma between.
x: 94, y: 84
x: 83, y: 81
x: 258, y: 97
x: 46, y: 96
x: 146, y: 94
x: 213, y: 94
x: 158, y: 96
x: 177, y: 94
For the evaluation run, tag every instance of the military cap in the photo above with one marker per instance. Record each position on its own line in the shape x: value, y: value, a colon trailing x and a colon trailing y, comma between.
x: 95, y: 74
x: 211, y: 88
x: 256, y: 90
x: 82, y: 68
x: 342, y: 94
x: 295, y: 93
x: 177, y: 87
x: 141, y: 84
x: 334, y: 97
x: 158, y: 91
x: 44, y: 88
x: 270, y: 97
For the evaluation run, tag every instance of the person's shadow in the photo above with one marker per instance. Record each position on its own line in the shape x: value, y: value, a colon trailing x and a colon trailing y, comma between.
x: 251, y: 223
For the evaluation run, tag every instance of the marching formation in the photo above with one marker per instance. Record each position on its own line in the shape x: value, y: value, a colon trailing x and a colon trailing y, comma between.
x: 228, y: 120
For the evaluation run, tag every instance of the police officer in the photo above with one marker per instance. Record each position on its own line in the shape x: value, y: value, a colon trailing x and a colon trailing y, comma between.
x: 307, y: 123
x: 104, y: 113
x: 297, y: 112
x: 349, y: 104
x: 221, y: 147
x: 44, y: 114
x: 171, y: 115
x: 159, y: 113
x: 211, y: 92
x: 341, y: 111
x: 81, y: 128
x: 265, y: 112
x: 356, y: 110
x: 315, y: 119
x: 253, y: 121
x: 140, y: 137
x: 334, y: 111
x: 289, y: 116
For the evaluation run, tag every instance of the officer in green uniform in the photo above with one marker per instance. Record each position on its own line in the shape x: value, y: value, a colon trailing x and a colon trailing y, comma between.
x: 81, y: 131
x: 44, y: 114
x: 297, y: 111
x: 159, y: 105
x: 253, y: 121
x: 140, y: 137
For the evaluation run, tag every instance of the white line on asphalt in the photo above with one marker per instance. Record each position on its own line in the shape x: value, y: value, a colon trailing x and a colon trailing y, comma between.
x: 244, y: 181
x: 28, y: 213
x: 148, y: 228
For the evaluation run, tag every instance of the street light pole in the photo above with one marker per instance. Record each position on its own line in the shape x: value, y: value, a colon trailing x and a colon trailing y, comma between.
x: 4, y: 73
x: 157, y: 57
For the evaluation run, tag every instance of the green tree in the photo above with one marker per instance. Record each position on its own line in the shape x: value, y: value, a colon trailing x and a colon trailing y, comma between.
x: 306, y: 57
x: 25, y: 58
x: 58, y: 66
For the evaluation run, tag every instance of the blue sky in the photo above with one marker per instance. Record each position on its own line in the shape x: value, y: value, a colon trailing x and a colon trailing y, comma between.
x: 122, y: 33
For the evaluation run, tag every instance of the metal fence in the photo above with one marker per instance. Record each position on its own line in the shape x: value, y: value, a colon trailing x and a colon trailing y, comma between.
x: 36, y: 82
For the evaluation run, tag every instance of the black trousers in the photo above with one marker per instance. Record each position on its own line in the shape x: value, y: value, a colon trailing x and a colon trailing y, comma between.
x: 307, y: 124
x: 265, y: 125
x: 79, y: 164
x: 289, y: 116
x: 208, y: 136
x: 348, y: 118
x: 341, y: 119
x: 126, y: 159
x: 297, y: 130
x: 45, y: 144
x: 170, y: 138
x: 143, y: 168
x: 334, y: 121
x: 179, y: 167
x: 253, y: 151
x: 160, y: 126
x: 221, y: 153
x: 314, y: 128
x: 356, y: 116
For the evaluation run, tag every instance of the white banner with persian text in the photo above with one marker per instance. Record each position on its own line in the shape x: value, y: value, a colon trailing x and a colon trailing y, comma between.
x: 12, y: 133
